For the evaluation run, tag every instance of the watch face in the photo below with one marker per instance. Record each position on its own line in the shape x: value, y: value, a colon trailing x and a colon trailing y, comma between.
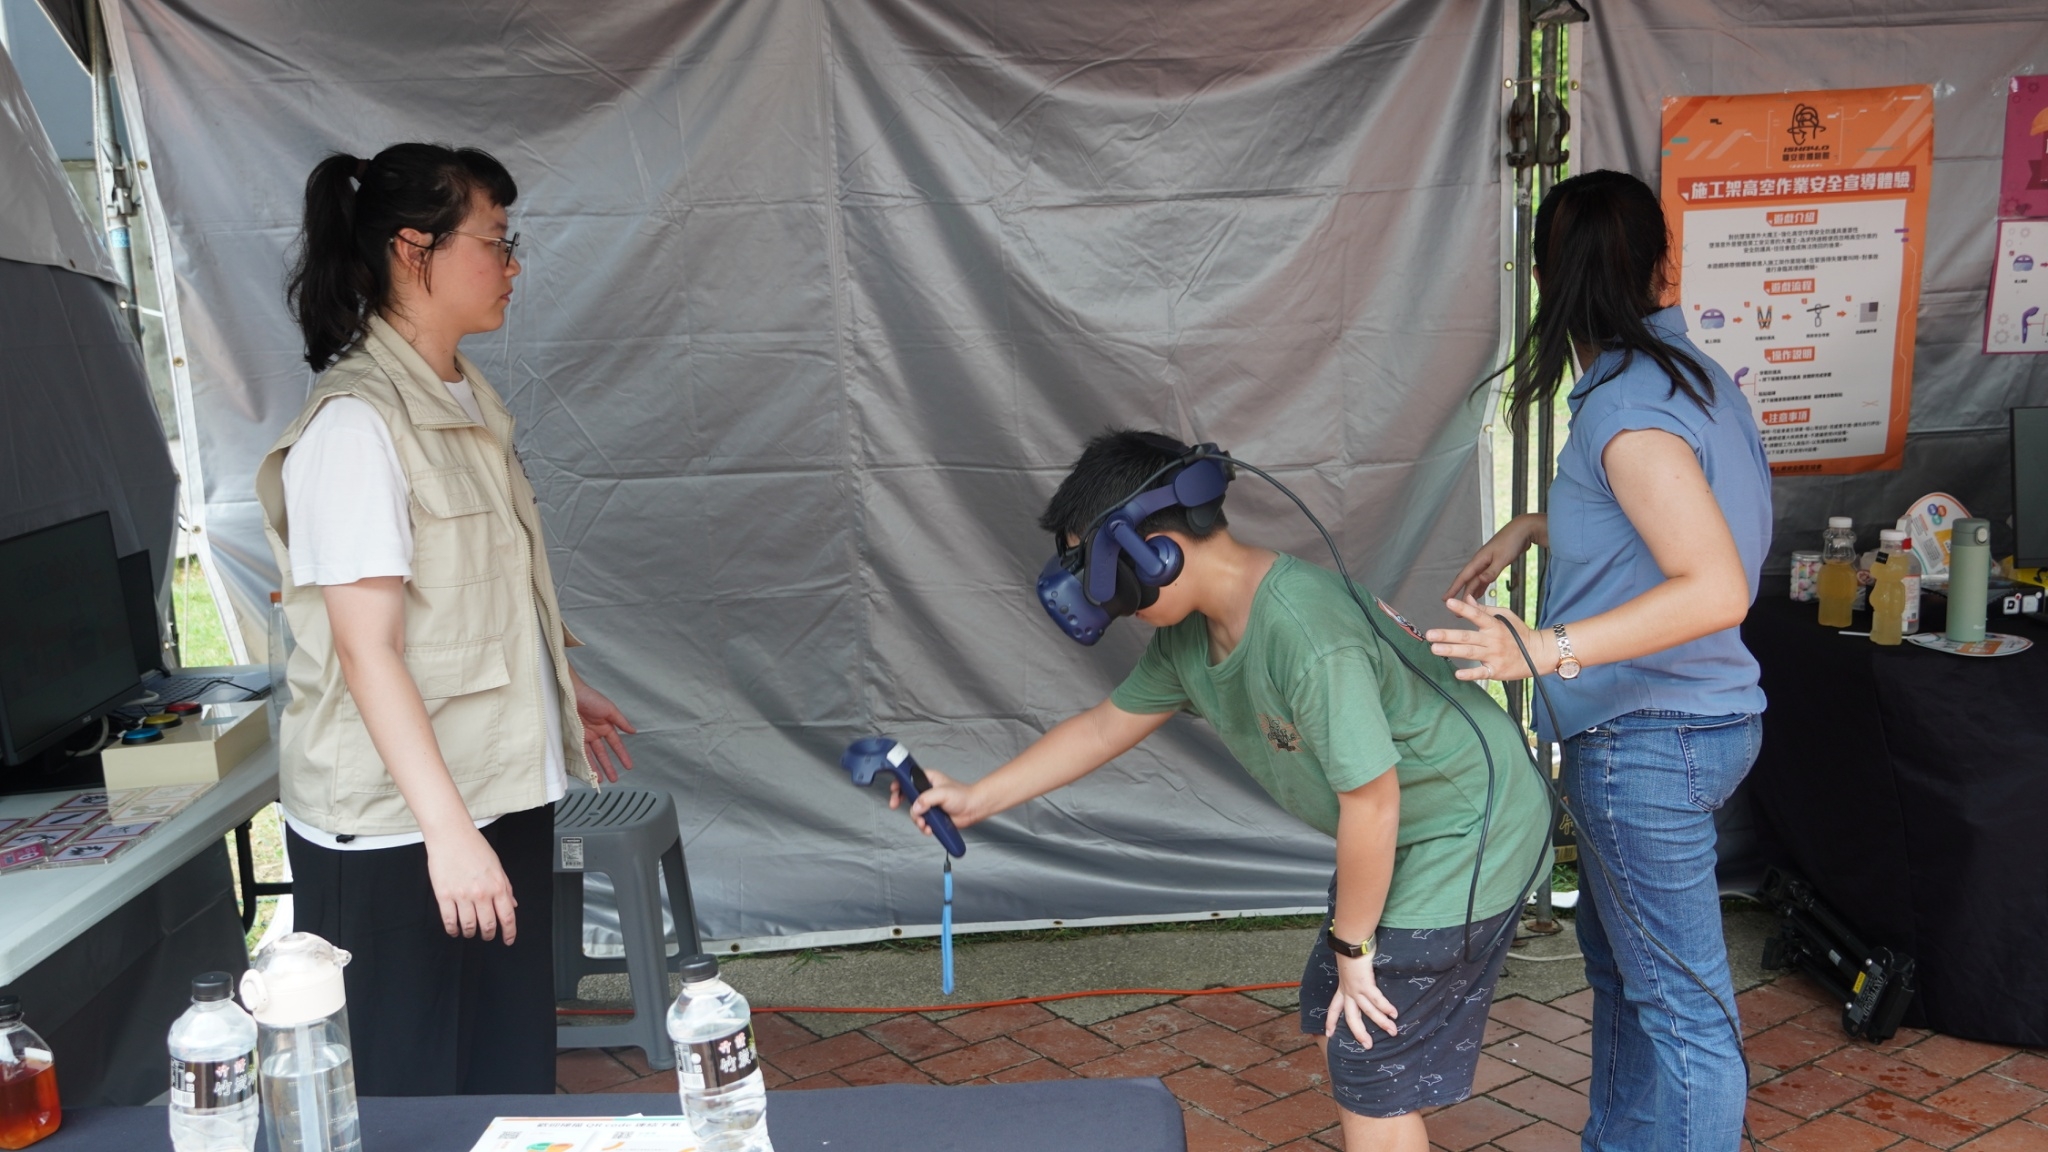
x: 1568, y: 668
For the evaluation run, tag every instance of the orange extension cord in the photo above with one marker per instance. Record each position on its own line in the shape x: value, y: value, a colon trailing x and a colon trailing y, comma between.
x: 981, y: 1003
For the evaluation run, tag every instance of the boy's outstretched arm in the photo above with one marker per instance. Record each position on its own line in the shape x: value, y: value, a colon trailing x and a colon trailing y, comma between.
x: 1368, y: 824
x: 1074, y: 747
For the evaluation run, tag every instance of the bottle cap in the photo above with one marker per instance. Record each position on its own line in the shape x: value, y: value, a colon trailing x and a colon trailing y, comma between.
x: 10, y: 1009
x: 1892, y: 538
x: 208, y: 987
x: 296, y: 979
x: 702, y: 966
x: 277, y: 597
x: 1841, y: 522
x: 1971, y: 532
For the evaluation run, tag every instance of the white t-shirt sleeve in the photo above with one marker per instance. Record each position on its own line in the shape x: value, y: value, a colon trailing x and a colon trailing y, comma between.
x: 346, y: 498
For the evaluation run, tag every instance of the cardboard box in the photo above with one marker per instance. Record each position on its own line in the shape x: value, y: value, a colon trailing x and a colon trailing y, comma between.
x: 200, y: 751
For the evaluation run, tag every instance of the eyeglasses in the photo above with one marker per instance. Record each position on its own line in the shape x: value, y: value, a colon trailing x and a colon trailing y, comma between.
x: 506, y: 244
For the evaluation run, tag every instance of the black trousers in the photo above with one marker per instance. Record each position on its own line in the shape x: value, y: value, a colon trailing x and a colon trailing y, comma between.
x: 432, y: 1014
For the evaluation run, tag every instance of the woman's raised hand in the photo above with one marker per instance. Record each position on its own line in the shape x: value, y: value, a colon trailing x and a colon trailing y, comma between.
x: 1496, y: 554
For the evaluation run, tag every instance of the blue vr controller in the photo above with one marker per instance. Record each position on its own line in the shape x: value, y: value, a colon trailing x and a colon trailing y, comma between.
x: 867, y: 757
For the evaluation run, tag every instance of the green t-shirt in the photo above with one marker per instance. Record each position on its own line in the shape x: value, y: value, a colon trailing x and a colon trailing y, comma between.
x: 1312, y: 702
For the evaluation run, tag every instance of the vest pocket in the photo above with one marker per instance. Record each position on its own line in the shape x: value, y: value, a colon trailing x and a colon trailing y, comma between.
x: 444, y: 670
x: 458, y: 682
x: 455, y: 538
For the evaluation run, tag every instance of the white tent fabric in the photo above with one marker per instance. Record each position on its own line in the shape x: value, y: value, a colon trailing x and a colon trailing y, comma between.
x: 41, y: 222
x: 822, y: 299
x: 1636, y: 54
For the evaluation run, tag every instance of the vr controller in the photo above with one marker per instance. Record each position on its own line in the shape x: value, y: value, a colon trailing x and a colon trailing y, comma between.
x: 1115, y: 571
x: 867, y: 757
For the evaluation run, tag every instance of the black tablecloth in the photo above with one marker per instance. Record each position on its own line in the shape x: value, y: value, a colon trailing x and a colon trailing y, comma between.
x: 1076, y: 1115
x: 1911, y: 788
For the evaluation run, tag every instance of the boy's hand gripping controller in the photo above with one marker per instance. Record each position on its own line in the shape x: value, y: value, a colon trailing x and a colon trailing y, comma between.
x: 867, y: 757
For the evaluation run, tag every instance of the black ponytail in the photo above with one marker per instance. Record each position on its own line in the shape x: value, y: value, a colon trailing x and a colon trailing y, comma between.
x: 1601, y: 248
x: 354, y: 210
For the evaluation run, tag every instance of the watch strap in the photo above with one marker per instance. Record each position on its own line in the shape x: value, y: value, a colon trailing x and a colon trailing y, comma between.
x: 1342, y: 948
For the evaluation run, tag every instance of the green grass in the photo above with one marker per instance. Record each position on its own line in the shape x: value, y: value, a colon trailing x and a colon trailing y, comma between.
x: 202, y: 638
x: 266, y: 843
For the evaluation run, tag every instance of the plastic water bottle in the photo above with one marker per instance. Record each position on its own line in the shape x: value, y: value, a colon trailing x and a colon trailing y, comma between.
x: 1838, y: 573
x: 718, y: 1070
x: 280, y: 658
x: 213, y: 1072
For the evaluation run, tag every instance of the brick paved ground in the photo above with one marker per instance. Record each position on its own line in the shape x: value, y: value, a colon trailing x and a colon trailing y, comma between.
x: 1249, y: 1081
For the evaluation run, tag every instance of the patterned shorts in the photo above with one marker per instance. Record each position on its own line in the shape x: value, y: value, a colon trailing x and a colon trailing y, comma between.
x: 1441, y: 1001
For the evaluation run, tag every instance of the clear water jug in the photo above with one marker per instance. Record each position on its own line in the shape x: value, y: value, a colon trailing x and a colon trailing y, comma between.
x: 295, y: 991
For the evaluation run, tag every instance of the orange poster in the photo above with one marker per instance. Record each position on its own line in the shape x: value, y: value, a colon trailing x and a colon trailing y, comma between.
x: 1801, y: 218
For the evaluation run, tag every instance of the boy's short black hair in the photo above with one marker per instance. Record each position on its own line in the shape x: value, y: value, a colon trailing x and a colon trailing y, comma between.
x: 1108, y: 474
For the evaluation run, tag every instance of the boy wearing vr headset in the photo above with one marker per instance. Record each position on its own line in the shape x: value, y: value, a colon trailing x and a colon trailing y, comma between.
x: 1318, y: 705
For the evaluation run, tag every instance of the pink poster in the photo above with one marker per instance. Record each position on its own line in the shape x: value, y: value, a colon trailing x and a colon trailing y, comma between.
x: 2023, y: 190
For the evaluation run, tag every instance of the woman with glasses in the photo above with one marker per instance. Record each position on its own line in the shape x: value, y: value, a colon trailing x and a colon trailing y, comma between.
x: 434, y: 716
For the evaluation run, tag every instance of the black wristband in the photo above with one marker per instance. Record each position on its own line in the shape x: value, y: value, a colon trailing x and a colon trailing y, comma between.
x: 1354, y: 951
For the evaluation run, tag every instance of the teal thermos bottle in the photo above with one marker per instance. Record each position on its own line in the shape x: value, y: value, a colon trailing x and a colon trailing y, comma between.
x: 1969, y: 573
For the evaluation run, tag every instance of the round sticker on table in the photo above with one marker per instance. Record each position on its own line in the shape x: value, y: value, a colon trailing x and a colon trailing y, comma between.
x: 1993, y: 644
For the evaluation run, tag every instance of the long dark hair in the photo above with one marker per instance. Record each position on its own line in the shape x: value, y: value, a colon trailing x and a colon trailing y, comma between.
x: 354, y: 209
x: 1601, y: 248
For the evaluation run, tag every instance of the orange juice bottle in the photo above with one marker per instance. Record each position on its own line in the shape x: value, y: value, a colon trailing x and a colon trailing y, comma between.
x: 1838, y: 572
x: 1888, y: 596
x: 28, y: 1081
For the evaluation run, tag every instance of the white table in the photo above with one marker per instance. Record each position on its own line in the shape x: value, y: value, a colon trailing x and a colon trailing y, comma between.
x: 43, y: 909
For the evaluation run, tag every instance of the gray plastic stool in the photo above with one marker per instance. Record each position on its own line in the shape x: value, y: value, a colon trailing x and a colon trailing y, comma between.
x: 624, y: 833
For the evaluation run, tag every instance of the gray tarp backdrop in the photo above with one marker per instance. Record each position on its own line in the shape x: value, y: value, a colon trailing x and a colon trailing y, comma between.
x: 1637, y: 53
x: 822, y: 297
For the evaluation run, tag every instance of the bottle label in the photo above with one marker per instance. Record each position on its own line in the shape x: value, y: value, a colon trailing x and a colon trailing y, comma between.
x: 207, y: 1084
x: 717, y: 1063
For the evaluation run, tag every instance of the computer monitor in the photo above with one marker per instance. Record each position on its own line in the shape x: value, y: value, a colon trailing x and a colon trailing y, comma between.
x: 2030, y: 487
x: 66, y: 658
x: 145, y: 625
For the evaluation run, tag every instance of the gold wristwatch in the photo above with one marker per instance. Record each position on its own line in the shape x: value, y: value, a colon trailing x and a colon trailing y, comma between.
x: 1568, y: 666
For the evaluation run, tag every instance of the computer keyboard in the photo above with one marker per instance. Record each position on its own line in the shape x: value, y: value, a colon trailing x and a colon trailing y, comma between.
x: 173, y: 689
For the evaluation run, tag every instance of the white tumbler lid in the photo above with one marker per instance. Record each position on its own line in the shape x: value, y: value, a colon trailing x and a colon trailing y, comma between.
x: 295, y: 980
x: 1891, y: 536
x: 1841, y: 522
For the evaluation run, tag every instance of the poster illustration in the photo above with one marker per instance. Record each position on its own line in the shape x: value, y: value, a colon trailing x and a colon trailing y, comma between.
x: 2023, y: 180
x: 1799, y: 218
x: 2017, y: 320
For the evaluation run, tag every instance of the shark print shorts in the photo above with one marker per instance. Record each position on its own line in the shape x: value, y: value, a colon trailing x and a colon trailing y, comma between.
x: 1441, y: 1002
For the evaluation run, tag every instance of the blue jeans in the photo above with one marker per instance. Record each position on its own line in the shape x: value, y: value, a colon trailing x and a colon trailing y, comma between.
x: 1667, y: 1067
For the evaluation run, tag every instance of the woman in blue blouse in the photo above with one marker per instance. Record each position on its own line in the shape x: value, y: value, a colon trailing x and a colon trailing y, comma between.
x: 1659, y: 519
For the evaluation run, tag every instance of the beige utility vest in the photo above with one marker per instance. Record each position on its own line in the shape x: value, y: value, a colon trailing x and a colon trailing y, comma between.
x: 479, y: 574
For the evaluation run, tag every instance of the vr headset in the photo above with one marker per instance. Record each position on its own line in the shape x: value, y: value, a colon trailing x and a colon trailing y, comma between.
x: 1115, y: 571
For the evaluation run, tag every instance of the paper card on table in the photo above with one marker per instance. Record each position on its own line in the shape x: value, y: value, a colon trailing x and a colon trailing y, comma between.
x: 47, y: 837
x: 119, y: 831
x: 81, y: 852
x: 26, y: 856
x: 86, y: 800
x: 70, y: 818
x: 147, y: 810
x: 177, y: 791
x: 587, y: 1134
